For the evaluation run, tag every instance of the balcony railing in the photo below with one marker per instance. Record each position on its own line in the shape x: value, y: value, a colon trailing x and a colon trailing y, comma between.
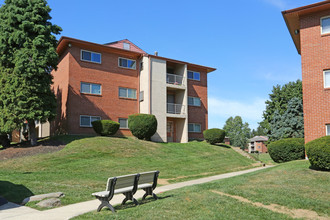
x: 175, y: 108
x: 174, y: 79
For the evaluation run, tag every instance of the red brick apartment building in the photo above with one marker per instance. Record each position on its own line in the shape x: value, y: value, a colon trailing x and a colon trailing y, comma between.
x: 114, y: 80
x: 309, y: 27
x: 258, y: 143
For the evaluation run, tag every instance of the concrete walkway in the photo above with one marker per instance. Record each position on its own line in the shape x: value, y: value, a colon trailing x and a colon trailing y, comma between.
x: 13, y: 211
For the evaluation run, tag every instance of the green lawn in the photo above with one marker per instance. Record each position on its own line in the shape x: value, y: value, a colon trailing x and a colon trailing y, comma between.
x: 84, y: 165
x: 264, y: 158
x: 292, y: 185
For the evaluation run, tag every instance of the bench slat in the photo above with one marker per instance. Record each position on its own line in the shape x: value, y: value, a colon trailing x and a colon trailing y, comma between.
x: 147, y: 177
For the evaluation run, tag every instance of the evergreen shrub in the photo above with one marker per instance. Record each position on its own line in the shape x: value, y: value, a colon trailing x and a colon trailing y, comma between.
x: 214, y: 135
x: 105, y: 127
x: 142, y: 126
x: 287, y: 149
x: 318, y: 153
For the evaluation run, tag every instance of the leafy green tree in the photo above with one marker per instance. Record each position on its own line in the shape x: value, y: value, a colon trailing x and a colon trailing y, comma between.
x: 27, y: 56
x: 278, y: 101
x: 290, y: 124
x: 259, y: 132
x: 237, y: 131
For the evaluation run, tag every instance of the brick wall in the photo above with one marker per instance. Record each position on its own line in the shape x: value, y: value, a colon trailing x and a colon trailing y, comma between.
x: 315, y: 58
x: 198, y: 114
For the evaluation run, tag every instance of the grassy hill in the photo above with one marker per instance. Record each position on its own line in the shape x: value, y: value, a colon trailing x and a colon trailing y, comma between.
x: 84, y: 165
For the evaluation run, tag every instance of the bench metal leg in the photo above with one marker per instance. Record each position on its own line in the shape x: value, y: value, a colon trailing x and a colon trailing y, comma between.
x: 149, y: 193
x: 129, y: 196
x: 105, y: 203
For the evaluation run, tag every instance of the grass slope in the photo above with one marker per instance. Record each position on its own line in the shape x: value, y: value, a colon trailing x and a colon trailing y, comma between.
x: 292, y: 185
x: 84, y: 165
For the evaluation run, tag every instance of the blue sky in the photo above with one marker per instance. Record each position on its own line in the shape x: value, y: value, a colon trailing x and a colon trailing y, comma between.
x: 247, y: 41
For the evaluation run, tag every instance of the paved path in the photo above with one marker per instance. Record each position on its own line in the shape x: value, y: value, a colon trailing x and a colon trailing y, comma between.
x: 12, y: 211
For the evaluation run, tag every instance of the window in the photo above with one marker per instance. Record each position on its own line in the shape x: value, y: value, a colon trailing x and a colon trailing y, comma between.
x: 325, y: 25
x: 327, y: 79
x: 90, y: 88
x: 194, y: 127
x: 194, y: 101
x: 123, y: 123
x: 127, y: 93
x: 126, y: 46
x: 90, y: 56
x: 86, y: 121
x: 194, y: 75
x: 126, y: 63
x: 328, y: 129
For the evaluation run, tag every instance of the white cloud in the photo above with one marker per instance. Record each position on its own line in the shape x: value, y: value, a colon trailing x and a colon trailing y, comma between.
x: 221, y: 109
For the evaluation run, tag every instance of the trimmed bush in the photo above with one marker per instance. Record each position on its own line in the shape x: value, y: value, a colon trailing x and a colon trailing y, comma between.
x: 105, y: 127
x: 287, y: 149
x: 214, y: 135
x: 318, y: 152
x: 4, y: 141
x: 142, y: 126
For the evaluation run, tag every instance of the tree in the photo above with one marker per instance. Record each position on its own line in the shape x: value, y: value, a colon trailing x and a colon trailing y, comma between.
x: 290, y: 124
x: 237, y: 132
x: 278, y: 101
x: 261, y: 131
x: 27, y: 56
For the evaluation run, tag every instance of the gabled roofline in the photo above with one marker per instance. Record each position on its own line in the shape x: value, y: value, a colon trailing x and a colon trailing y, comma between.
x: 208, y: 69
x: 292, y: 17
x: 66, y: 40
x: 124, y: 40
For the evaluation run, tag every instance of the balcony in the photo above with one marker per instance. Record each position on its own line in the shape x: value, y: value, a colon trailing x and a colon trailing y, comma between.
x: 176, y: 109
x: 174, y: 79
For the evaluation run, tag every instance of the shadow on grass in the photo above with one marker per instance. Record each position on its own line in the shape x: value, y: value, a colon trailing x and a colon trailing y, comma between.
x: 223, y: 145
x: 13, y: 192
x: 130, y: 204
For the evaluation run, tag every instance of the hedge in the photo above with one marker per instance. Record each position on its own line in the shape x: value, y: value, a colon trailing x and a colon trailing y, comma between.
x: 318, y: 153
x: 214, y: 135
x: 142, y: 126
x: 4, y: 141
x: 287, y: 149
x: 105, y: 127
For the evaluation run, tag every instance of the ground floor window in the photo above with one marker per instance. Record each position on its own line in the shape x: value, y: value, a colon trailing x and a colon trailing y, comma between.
x: 328, y: 130
x: 86, y: 120
x: 123, y: 123
x: 193, y: 127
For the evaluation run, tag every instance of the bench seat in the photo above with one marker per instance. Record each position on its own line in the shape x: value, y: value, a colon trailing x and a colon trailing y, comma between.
x: 117, y: 191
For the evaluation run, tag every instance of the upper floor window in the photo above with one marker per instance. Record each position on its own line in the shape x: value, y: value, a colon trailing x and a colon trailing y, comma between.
x: 325, y: 25
x: 90, y: 88
x: 86, y: 120
x: 123, y: 123
x: 127, y: 93
x: 126, y: 46
x: 327, y: 79
x: 194, y: 75
x: 127, y: 63
x: 193, y: 127
x: 194, y: 101
x: 90, y: 56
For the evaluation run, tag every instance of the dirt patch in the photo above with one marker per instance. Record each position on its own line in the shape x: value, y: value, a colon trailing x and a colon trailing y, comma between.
x: 294, y: 213
x: 24, y: 149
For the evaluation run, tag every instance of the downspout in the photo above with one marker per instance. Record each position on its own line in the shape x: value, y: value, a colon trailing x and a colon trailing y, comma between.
x: 149, y: 69
x: 139, y: 72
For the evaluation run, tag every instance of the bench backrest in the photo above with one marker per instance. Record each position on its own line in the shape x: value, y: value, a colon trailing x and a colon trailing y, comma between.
x: 121, y: 181
x: 148, y: 177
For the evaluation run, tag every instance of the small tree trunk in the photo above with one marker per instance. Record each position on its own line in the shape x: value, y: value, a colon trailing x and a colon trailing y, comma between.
x: 33, y: 134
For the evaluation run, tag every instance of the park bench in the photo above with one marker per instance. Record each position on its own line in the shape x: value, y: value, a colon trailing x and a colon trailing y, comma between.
x: 127, y: 185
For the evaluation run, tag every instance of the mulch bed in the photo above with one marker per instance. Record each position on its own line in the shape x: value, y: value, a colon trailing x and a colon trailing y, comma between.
x: 25, y: 149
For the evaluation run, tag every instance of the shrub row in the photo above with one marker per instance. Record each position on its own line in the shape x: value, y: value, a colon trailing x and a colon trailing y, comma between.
x: 142, y: 126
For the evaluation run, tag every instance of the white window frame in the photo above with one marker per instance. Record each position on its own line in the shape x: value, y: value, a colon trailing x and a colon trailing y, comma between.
x: 194, y: 75
x: 126, y: 123
x: 194, y: 131
x: 322, y: 26
x: 90, y: 120
x: 324, y: 84
x: 327, y: 129
x: 81, y: 56
x: 128, y: 46
x: 126, y: 97
x: 194, y: 98
x: 124, y: 66
x: 91, y: 84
